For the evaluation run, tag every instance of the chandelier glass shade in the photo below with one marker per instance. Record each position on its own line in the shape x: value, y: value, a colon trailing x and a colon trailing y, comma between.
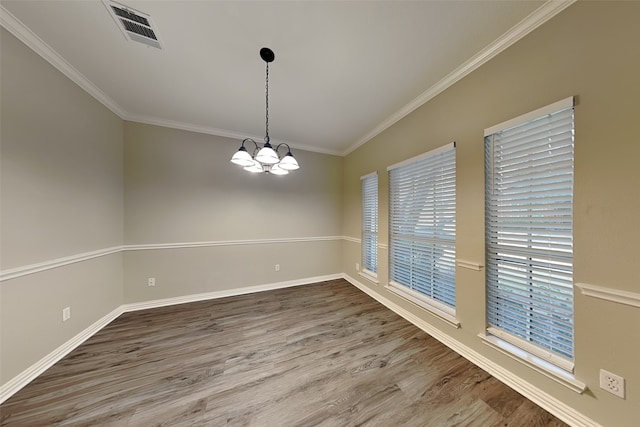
x: 266, y: 158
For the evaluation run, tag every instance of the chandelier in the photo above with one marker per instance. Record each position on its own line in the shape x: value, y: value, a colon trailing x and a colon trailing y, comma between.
x: 266, y: 158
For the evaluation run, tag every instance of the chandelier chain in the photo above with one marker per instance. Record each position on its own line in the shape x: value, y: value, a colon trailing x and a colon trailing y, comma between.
x: 267, y: 102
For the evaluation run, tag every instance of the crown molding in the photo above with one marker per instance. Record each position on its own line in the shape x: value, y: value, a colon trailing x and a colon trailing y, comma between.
x: 223, y: 133
x: 35, y: 43
x: 538, y: 17
x: 28, y: 37
x: 187, y: 126
x: 541, y: 15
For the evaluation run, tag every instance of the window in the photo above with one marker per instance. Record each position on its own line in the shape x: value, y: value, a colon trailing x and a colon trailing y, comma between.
x: 422, y: 230
x: 370, y: 224
x: 529, y: 232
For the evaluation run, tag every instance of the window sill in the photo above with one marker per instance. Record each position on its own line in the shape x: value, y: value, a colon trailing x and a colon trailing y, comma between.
x: 534, y: 362
x: 420, y: 302
x: 372, y: 277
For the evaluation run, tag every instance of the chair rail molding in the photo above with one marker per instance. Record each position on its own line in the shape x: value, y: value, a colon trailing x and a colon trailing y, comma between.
x: 25, y: 270
x: 469, y: 265
x: 608, y: 294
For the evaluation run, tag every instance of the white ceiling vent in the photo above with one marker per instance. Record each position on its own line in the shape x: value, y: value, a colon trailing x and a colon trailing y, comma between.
x: 135, y: 25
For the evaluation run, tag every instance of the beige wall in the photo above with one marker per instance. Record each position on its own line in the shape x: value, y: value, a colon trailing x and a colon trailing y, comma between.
x: 65, y: 189
x: 61, y: 195
x: 181, y: 188
x: 31, y: 305
x: 190, y: 271
x: 589, y: 50
x: 67, y: 182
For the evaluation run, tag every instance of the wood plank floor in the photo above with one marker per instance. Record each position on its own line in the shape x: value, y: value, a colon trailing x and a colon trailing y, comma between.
x: 317, y: 355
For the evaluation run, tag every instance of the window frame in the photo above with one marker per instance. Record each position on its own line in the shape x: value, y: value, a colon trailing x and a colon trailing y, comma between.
x: 369, y: 228
x: 527, y: 336
x: 429, y: 254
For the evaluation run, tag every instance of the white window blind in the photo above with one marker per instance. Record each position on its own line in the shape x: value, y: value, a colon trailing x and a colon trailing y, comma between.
x: 370, y: 223
x: 422, y: 227
x: 529, y: 232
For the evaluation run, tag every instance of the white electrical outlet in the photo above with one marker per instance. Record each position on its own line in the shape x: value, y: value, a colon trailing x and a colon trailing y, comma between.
x: 66, y: 314
x: 277, y: 267
x: 151, y: 281
x: 612, y: 383
x: 357, y: 267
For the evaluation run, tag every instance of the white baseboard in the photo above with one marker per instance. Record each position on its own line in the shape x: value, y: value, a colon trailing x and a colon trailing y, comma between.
x: 531, y: 392
x: 226, y: 293
x: 25, y: 377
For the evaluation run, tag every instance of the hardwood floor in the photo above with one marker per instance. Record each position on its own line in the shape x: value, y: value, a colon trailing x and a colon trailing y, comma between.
x: 316, y: 355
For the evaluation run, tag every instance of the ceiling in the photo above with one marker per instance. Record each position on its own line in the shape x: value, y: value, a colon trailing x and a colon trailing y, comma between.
x: 344, y: 70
